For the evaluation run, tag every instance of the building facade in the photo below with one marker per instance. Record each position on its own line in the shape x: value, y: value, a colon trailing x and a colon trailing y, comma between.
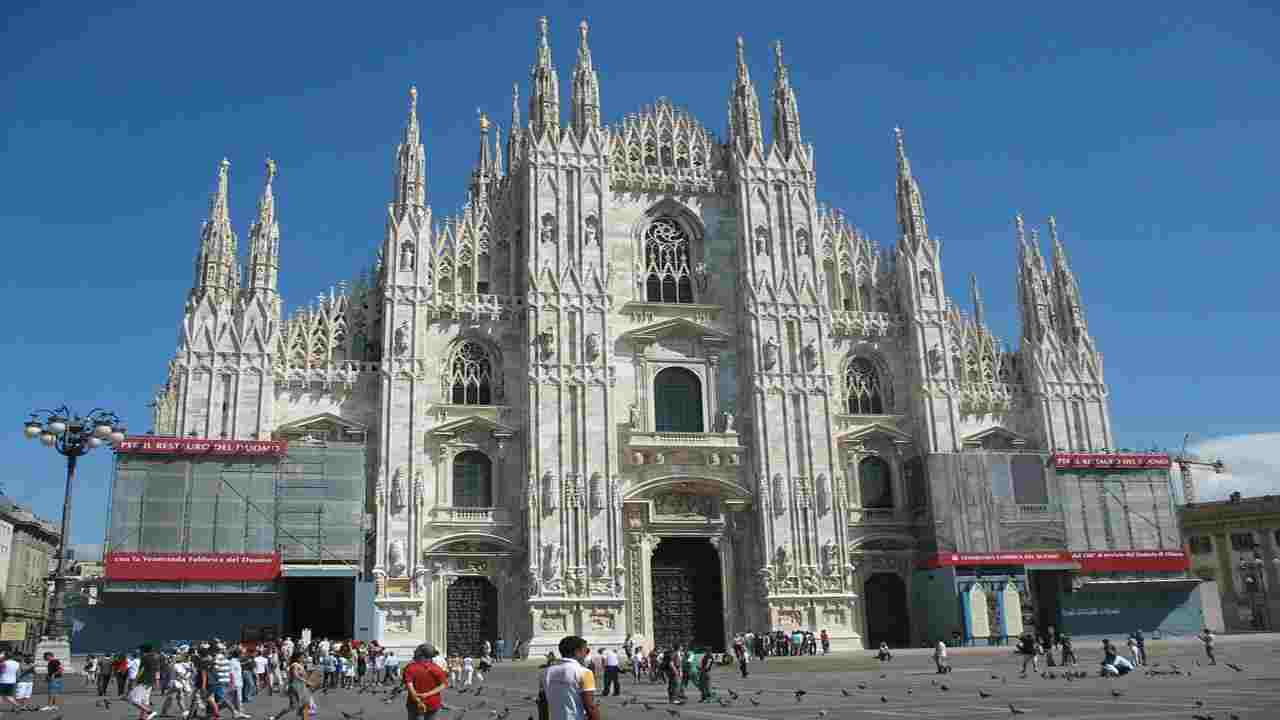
x: 1236, y: 543
x: 33, y: 545
x: 645, y: 383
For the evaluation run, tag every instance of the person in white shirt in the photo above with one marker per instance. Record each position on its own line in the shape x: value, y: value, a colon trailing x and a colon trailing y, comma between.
x: 468, y: 671
x: 135, y: 664
x: 568, y: 686
x: 612, y: 671
x: 637, y: 663
x: 9, y: 680
x: 940, y: 657
x: 180, y: 689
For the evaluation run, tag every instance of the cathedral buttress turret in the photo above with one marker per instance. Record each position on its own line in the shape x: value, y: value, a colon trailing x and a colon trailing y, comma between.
x: 744, y: 110
x: 514, y: 134
x: 911, y: 222
x: 1066, y: 294
x: 544, y: 95
x: 410, y: 190
x: 217, y: 272
x: 484, y: 169
x: 919, y: 259
x: 264, y: 248
x: 1034, y: 291
x: 975, y: 297
x: 786, y: 115
x: 586, y: 89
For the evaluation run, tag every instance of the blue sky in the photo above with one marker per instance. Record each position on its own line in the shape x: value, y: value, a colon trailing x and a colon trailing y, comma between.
x: 1152, y: 132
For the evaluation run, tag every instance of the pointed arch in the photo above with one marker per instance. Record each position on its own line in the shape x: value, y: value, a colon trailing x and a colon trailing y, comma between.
x: 669, y: 240
x: 473, y: 374
x: 868, y: 389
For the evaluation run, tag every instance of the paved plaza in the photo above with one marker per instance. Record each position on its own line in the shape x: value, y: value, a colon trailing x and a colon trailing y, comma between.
x: 851, y: 685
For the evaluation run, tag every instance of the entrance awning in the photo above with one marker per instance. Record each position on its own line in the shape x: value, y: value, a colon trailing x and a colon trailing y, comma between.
x: 318, y: 571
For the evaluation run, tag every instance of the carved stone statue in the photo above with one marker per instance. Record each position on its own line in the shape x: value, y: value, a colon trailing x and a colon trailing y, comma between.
x: 779, y: 493
x: 762, y: 241
x: 935, y: 360
x: 406, y: 255
x: 726, y: 421
x: 770, y: 353
x: 420, y: 580
x: 401, y: 341
x: 550, y: 491
x: 824, y: 494
x: 830, y: 557
x: 395, y: 558
x: 593, y: 346
x: 781, y: 560
x: 599, y: 560
x: 397, y: 499
x: 635, y: 416
x: 590, y: 230
x: 701, y: 277
x: 555, y: 555
x: 547, y: 231
x: 810, y: 354
x: 546, y: 344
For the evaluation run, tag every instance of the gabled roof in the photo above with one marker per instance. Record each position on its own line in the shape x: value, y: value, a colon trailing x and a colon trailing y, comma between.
x: 874, y: 429
x: 676, y: 326
x: 995, y: 431
x: 322, y: 418
x: 473, y: 423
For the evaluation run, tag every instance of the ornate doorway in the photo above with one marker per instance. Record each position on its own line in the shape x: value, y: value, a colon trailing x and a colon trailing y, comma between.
x: 886, y: 607
x: 688, y: 603
x: 471, y: 615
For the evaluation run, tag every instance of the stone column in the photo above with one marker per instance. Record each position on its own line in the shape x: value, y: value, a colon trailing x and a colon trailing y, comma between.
x: 854, y: 485
x: 728, y: 586
x: 900, y: 505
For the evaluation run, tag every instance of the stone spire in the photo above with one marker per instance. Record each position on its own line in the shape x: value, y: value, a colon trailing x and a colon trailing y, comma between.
x: 786, y: 116
x: 484, y: 165
x: 264, y: 242
x: 410, y: 191
x: 975, y: 296
x: 1033, y: 285
x: 497, y: 150
x: 544, y: 97
x: 744, y: 109
x: 586, y: 88
x: 911, y: 221
x: 1065, y: 289
x: 514, y: 134
x: 217, y: 267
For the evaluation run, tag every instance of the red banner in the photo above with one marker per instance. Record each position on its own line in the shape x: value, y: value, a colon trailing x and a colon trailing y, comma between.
x: 199, y: 567
x: 147, y: 445
x: 1088, y: 560
x: 1111, y: 461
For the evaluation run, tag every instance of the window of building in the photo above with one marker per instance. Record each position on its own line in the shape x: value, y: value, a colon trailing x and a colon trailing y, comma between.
x: 1241, y: 541
x: 863, y: 388
x: 1200, y: 544
x: 677, y: 401
x: 667, y: 264
x: 873, y: 474
x: 917, y: 492
x: 472, y: 376
x: 1029, y: 486
x: 472, y: 480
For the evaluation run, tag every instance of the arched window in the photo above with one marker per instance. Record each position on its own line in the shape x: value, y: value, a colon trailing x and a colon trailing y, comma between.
x: 471, y: 376
x: 677, y: 401
x: 666, y: 258
x: 472, y: 480
x: 863, y: 388
x: 877, y: 491
x: 833, y: 285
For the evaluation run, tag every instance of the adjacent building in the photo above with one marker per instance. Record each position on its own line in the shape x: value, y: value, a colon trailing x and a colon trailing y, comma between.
x: 645, y: 383
x: 32, y: 546
x: 1234, y: 543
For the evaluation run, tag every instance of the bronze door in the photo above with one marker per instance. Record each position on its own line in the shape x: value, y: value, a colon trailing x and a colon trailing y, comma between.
x: 674, y: 607
x: 472, y: 615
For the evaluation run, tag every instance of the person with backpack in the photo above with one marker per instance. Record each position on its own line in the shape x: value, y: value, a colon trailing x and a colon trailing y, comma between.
x: 705, y: 661
x: 146, y: 679
x: 1029, y: 649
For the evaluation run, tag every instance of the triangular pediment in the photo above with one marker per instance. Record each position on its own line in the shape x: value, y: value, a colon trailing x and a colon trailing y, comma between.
x: 678, y: 327
x: 323, y: 420
x: 875, y: 430
x: 994, y: 434
x: 324, y: 426
x: 474, y: 423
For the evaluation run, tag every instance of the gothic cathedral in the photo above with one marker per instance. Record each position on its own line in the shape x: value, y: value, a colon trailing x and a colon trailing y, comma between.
x: 645, y: 384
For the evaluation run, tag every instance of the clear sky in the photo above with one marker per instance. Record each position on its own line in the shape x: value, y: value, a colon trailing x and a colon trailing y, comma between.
x: 1151, y: 130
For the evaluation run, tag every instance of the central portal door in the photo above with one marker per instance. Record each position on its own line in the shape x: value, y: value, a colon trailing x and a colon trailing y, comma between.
x: 688, y: 606
x: 472, y: 615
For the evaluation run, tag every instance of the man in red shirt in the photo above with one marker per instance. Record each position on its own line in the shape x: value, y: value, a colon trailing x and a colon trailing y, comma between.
x: 425, y: 681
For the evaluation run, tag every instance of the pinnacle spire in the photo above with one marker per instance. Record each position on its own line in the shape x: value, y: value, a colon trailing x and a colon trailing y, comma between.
x: 480, y: 176
x: 217, y: 268
x: 975, y: 296
x: 497, y: 150
x: 744, y: 108
x: 513, y: 136
x: 911, y: 219
x: 264, y: 240
x: 544, y: 95
x: 786, y: 115
x: 410, y: 190
x: 586, y: 88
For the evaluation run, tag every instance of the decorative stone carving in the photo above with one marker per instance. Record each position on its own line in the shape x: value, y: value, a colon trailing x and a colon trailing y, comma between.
x: 407, y: 254
x: 553, y: 623
x: 810, y: 354
x: 547, y: 229
x: 782, y: 561
x: 397, y: 491
x: 590, y: 230
x: 602, y: 620
x: 824, y: 494
x: 420, y: 578
x: 935, y: 360
x: 400, y: 344
x: 593, y: 346
x: 546, y: 342
x: 685, y: 505
x: 701, y: 277
x: 762, y: 241
x: 770, y: 353
x: 726, y: 421
x: 550, y: 491
x: 597, y: 492
x: 395, y: 559
x: 779, y: 494
x: 802, y: 242
x: 599, y: 560
x: 830, y: 557
x: 419, y: 488
x: 554, y: 555
x: 634, y: 414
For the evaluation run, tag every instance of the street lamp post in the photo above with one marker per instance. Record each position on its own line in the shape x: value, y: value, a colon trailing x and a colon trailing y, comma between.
x: 71, y: 435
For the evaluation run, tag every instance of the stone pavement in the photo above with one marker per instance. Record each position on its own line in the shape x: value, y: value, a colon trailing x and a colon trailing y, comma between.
x: 852, y: 685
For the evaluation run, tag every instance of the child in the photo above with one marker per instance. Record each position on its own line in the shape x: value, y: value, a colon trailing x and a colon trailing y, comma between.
x: 1133, y: 651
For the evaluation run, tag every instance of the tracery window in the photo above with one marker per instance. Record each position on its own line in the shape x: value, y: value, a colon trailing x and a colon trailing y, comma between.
x: 864, y: 389
x: 666, y: 258
x: 471, y: 376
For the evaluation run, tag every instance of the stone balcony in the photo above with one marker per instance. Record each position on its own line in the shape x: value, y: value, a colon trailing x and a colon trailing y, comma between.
x: 876, y: 516
x: 684, y: 448
x: 1011, y: 512
x: 471, y: 516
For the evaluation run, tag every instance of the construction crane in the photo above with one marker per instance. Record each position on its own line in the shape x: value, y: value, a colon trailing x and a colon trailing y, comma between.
x: 1185, y: 463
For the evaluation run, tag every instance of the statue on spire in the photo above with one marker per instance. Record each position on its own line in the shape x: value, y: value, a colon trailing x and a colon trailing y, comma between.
x: 744, y: 108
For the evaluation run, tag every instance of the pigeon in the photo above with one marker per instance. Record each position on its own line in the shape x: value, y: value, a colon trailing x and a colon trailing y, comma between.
x: 862, y: 686
x: 984, y: 694
x: 1015, y: 710
x: 733, y: 694
x: 754, y: 701
x: 354, y: 715
x: 104, y: 703
x: 995, y: 677
x: 1196, y: 716
x: 760, y: 692
x: 1116, y: 693
x: 673, y: 712
x: 909, y: 691
x: 800, y: 694
x: 844, y: 692
x: 1199, y: 703
x: 647, y: 706
x: 883, y: 676
x: 943, y: 687
x: 1235, y: 667
x: 822, y: 713
x: 884, y: 699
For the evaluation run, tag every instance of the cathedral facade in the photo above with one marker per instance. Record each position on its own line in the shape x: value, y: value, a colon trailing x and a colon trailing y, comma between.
x: 644, y: 383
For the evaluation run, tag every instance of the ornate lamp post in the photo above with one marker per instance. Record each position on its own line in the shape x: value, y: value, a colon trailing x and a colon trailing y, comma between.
x: 71, y: 435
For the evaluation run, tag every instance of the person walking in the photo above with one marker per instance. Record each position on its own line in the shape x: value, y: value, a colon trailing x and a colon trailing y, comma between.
x: 1135, y: 656
x: 9, y: 669
x: 1142, y: 646
x: 299, y: 687
x: 180, y: 688
x: 1068, y: 652
x: 468, y: 671
x: 740, y: 654
x: 424, y: 683
x: 612, y: 672
x: 568, y: 687
x: 940, y: 658
x: 1029, y: 649
x: 261, y: 666
x: 1206, y: 637
x: 148, y: 674
x: 392, y: 672
x: 26, y: 682
x: 705, y: 661
x: 671, y: 668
